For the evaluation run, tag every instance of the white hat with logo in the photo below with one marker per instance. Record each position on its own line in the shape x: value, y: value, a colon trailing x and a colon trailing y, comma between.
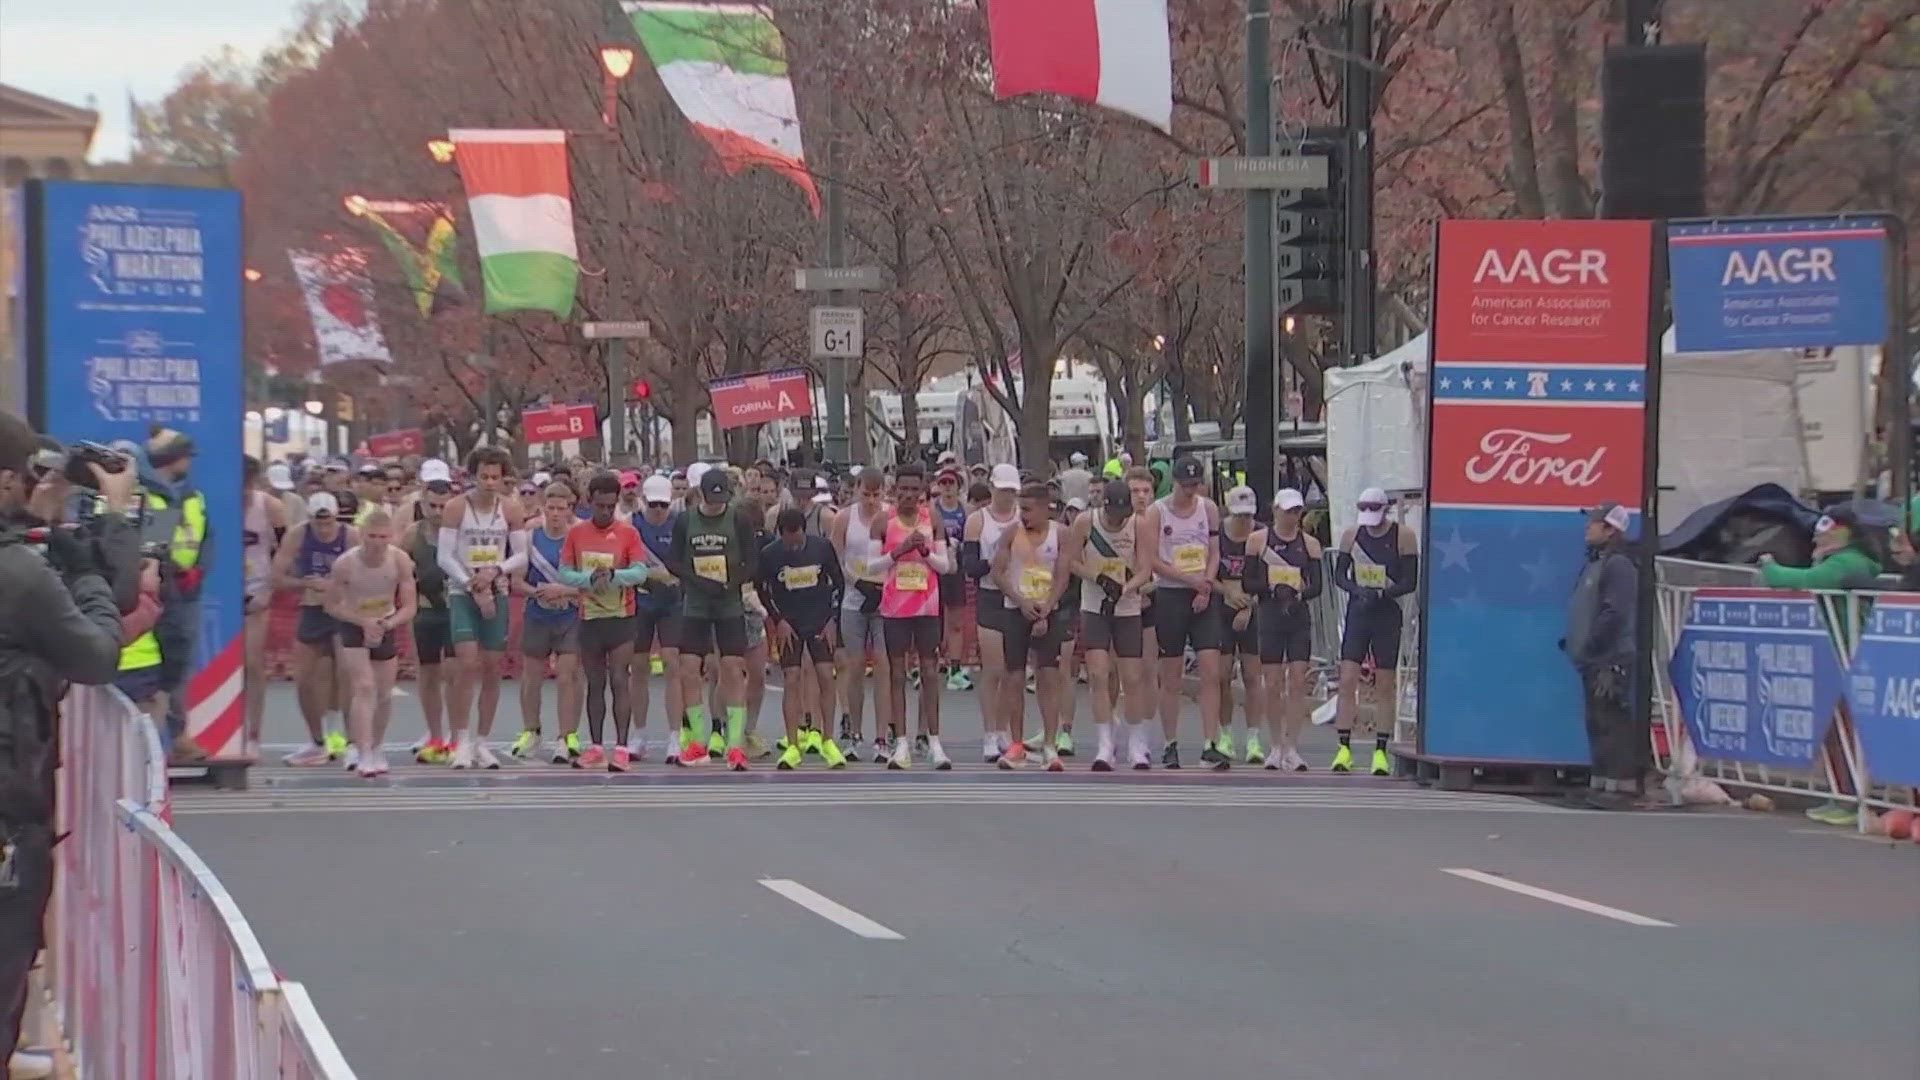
x: 322, y: 503
x: 1372, y: 505
x: 1242, y: 500
x: 1288, y: 499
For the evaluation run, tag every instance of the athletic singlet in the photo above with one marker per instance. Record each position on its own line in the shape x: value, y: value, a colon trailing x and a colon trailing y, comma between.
x: 549, y: 549
x: 1118, y: 566
x: 912, y: 588
x: 814, y: 513
x: 256, y: 560
x: 1030, y: 563
x: 860, y: 550
x: 369, y: 589
x: 483, y: 540
x: 316, y: 559
x: 955, y: 523
x: 1183, y: 540
x: 1376, y: 559
x: 1233, y: 556
x: 658, y: 540
x: 1293, y: 553
x: 429, y: 581
x: 991, y: 530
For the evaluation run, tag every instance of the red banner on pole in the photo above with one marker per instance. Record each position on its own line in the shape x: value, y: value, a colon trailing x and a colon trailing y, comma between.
x: 1562, y: 292
x: 557, y: 422
x: 756, y: 399
x: 397, y: 443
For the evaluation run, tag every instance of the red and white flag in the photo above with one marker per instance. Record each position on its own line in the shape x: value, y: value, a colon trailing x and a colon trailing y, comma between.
x: 1115, y: 53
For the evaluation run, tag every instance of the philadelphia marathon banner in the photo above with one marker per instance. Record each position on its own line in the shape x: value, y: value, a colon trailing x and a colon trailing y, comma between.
x: 1539, y: 388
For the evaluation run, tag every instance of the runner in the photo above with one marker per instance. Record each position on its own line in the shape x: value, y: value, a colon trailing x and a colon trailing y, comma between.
x: 657, y: 622
x: 549, y: 629
x: 1072, y: 510
x: 304, y: 563
x: 264, y: 526
x: 953, y: 584
x: 1241, y: 638
x: 1031, y: 570
x: 604, y: 554
x: 1113, y: 575
x: 713, y: 557
x: 999, y: 694
x: 913, y: 549
x: 800, y: 582
x: 1186, y: 526
x: 1140, y: 491
x: 370, y: 593
x: 481, y: 544
x: 754, y: 513
x: 860, y: 636
x: 1286, y: 576
x: 1378, y: 562
x: 432, y: 646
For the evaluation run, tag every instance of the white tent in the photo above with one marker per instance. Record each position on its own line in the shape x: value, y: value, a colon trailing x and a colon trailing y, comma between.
x: 1377, y: 428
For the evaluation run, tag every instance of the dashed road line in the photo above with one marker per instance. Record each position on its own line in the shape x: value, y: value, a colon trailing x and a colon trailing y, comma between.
x: 1551, y: 897
x: 831, y: 910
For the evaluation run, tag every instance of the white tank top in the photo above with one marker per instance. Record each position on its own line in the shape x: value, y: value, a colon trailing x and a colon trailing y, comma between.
x: 257, y: 559
x: 991, y: 530
x: 483, y: 540
x: 1030, y: 563
x: 1183, y: 540
x: 861, y: 548
x: 1093, y: 597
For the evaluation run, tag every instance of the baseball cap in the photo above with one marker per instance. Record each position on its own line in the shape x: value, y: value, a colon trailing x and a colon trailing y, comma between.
x: 1077, y: 503
x: 1288, y: 499
x: 323, y: 504
x: 1242, y: 500
x: 1612, y: 513
x: 1076, y: 458
x: 694, y: 472
x: 951, y: 472
x: 371, y: 470
x: 715, y: 485
x: 540, y: 479
x: 1116, y: 493
x: 279, y: 476
x: 656, y: 489
x: 1006, y: 477
x: 947, y: 457
x: 337, y: 465
x: 1375, y: 498
x: 629, y: 479
x: 1187, y: 469
x: 434, y: 469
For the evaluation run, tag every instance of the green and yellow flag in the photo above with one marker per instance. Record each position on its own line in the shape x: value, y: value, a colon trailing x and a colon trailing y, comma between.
x: 422, y: 238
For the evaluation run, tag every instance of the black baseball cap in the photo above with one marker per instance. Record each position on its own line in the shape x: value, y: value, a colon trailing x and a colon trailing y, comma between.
x: 1117, y: 494
x: 715, y: 484
x: 1188, y: 468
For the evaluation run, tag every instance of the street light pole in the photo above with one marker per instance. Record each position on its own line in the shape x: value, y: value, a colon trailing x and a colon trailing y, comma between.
x: 1260, y: 301
x: 837, y: 444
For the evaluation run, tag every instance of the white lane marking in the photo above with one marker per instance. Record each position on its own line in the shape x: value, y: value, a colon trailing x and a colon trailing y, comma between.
x: 830, y: 910
x: 1552, y: 897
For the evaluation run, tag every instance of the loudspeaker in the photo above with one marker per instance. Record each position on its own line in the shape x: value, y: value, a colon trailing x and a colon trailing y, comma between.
x: 1653, y: 132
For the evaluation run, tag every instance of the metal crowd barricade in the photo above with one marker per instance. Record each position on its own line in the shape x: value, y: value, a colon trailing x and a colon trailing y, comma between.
x: 155, y: 973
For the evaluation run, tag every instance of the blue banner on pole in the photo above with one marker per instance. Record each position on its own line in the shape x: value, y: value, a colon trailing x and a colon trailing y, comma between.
x: 1885, y: 690
x: 1797, y: 283
x: 1757, y: 675
x: 137, y: 300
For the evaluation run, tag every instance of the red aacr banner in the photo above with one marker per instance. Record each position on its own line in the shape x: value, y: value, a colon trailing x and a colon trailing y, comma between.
x: 557, y: 422
x: 756, y: 399
x: 397, y: 443
x: 1576, y: 456
x: 1572, y: 292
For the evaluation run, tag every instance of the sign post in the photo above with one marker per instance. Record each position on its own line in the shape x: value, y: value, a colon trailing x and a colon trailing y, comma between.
x: 837, y: 280
x: 615, y: 334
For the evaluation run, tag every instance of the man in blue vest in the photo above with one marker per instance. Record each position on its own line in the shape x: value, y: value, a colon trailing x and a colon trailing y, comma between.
x: 169, y: 490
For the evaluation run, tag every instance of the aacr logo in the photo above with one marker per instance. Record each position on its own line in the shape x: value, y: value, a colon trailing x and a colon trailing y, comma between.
x: 1560, y: 266
x: 1788, y: 266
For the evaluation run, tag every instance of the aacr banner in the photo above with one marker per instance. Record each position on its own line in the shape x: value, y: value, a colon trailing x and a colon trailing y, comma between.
x: 1539, y: 380
x: 1885, y: 690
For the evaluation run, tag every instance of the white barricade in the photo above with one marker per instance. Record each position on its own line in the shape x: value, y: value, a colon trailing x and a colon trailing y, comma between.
x: 155, y: 973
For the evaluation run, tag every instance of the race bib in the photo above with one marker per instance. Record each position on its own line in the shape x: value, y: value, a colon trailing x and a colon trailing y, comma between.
x: 1190, y: 558
x: 374, y: 607
x: 1370, y: 575
x: 910, y: 577
x: 605, y: 601
x: 480, y: 556
x: 1287, y: 574
x: 711, y: 567
x: 862, y: 570
x: 1036, y: 582
x: 1114, y: 568
x: 800, y: 577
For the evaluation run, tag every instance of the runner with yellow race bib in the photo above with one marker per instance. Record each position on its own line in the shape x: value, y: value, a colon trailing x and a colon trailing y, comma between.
x: 1286, y: 576
x: 1110, y: 620
x: 1377, y: 564
x: 1031, y: 569
x: 1183, y: 529
x: 912, y: 550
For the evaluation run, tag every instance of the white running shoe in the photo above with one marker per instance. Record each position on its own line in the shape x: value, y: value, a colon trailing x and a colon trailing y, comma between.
x: 308, y: 756
x: 353, y: 758
x: 557, y: 753
x: 902, y: 754
x: 1103, y: 752
x: 483, y: 756
x: 881, y: 756
x: 463, y: 752
x: 365, y: 767
x: 380, y: 766
x: 1137, y: 754
x: 1294, y: 762
x: 637, y: 746
x: 937, y: 754
x: 1052, y: 759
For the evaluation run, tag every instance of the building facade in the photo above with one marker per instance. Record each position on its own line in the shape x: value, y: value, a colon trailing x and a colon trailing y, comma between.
x: 39, y: 137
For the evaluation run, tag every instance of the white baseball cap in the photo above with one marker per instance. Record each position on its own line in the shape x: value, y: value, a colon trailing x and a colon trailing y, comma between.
x: 279, y: 477
x: 1006, y: 477
x: 1375, y: 498
x: 1288, y: 499
x: 541, y: 479
x: 1242, y: 500
x: 323, y: 502
x: 1076, y: 458
x: 694, y: 472
x: 656, y: 489
x: 434, y: 469
x: 1078, y: 502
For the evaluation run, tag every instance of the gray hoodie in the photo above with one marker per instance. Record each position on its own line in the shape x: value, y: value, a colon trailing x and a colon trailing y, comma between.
x: 1602, y: 618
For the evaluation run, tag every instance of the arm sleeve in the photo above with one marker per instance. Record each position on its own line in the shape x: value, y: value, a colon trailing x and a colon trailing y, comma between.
x: 1408, y: 581
x: 1253, y: 572
x: 447, y: 557
x: 517, y: 543
x: 971, y: 560
x: 939, y: 557
x: 749, y: 538
x: 678, y: 561
x: 1314, y: 578
x: 831, y: 565
x: 1343, y: 573
x: 763, y: 583
x: 74, y: 625
x: 579, y: 579
x: 631, y: 574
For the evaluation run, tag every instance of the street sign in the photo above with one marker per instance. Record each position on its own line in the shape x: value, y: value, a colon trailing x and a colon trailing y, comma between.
x: 832, y: 278
x: 1778, y: 283
x: 836, y: 332
x: 632, y: 328
x: 1288, y: 171
x: 557, y: 422
x: 397, y: 443
x: 756, y: 399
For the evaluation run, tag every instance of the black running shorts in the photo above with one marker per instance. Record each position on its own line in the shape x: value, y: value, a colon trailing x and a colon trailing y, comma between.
x: 919, y: 634
x: 1372, y: 628
x: 1121, y: 635
x: 1022, y: 642
x: 1178, y: 626
x: 1286, y: 636
x: 701, y: 636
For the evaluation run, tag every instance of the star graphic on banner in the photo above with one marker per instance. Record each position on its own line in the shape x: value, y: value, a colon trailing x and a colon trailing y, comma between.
x: 1513, y: 384
x: 1590, y: 385
x: 1486, y: 384
x: 1611, y: 386
x: 1634, y: 386
x: 1566, y: 384
x: 1454, y: 551
x: 1470, y: 603
x: 1539, y: 572
x: 1446, y: 382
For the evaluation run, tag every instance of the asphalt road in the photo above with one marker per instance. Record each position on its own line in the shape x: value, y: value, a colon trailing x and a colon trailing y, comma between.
x: 541, y: 922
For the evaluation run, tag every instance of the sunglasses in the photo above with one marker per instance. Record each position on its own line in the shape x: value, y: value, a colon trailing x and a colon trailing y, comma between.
x: 659, y: 505
x: 1370, y: 506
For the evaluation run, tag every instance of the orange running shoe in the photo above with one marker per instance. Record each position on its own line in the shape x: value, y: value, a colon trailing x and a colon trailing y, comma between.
x: 620, y: 760
x: 737, y: 758
x: 591, y: 758
x: 1014, y: 757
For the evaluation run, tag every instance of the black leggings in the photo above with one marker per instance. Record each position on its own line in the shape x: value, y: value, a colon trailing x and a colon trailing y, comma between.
x: 606, y: 649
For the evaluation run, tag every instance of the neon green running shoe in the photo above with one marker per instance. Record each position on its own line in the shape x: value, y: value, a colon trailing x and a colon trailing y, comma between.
x: 1382, y: 766
x: 1224, y: 743
x: 1343, y: 761
x: 1063, y: 744
x: 524, y: 744
x: 1833, y: 813
x: 1034, y: 743
x: 790, y: 759
x: 830, y: 751
x: 811, y: 740
x: 572, y: 742
x: 716, y: 744
x: 336, y: 744
x: 1256, y: 754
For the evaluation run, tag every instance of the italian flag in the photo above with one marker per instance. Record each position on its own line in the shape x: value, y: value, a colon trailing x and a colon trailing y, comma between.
x: 1115, y: 53
x: 522, y: 209
x: 726, y: 67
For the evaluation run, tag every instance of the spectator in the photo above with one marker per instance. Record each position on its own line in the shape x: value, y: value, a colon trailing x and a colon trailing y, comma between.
x: 1841, y: 558
x: 1602, y: 627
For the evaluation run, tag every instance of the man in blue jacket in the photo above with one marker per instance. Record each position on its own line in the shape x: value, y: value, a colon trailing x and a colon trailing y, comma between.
x: 165, y: 479
x: 1602, y: 632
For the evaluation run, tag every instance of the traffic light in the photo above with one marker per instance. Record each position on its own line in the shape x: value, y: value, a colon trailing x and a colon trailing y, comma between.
x: 1309, y: 230
x: 642, y: 390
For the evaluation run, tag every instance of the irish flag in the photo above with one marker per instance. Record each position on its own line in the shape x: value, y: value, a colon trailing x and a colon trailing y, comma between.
x: 726, y: 67
x: 1114, y: 53
x: 522, y: 209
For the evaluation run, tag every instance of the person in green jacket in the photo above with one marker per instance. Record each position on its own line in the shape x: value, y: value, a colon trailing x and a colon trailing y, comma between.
x: 1841, y: 558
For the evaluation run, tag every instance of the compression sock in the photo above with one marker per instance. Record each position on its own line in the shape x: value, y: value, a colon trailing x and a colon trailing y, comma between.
x: 1379, y: 742
x: 736, y: 724
x: 697, y: 722
x: 1346, y: 738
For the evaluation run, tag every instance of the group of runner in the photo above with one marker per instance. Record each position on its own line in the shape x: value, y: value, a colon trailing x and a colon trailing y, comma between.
x: 708, y: 575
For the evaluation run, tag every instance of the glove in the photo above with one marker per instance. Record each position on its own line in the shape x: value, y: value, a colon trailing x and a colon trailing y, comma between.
x: 70, y: 554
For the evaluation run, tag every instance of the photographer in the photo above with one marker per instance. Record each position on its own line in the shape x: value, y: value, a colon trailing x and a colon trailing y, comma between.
x: 58, y: 624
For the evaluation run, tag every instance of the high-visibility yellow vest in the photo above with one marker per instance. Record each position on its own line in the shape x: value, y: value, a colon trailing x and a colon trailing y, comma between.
x: 192, y: 530
x: 141, y: 652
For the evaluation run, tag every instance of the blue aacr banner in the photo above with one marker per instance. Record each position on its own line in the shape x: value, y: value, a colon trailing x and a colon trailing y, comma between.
x: 1885, y: 690
x: 1774, y: 283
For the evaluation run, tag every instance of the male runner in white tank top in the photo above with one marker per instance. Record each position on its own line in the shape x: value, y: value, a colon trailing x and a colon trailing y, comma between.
x: 371, y: 592
x: 852, y: 536
x: 1030, y: 569
x: 1185, y: 530
x: 263, y: 525
x: 986, y: 528
x: 483, y: 541
x: 1114, y: 571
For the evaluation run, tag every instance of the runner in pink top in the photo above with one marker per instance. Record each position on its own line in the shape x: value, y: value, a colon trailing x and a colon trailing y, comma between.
x: 913, y: 547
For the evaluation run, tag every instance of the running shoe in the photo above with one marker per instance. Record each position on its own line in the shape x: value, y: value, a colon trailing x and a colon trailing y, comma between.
x: 432, y: 752
x: 352, y: 758
x: 1272, y: 763
x: 938, y: 755
x: 716, y: 744
x: 830, y: 753
x: 659, y: 667
x: 1137, y: 749
x: 913, y: 679
x: 1256, y: 754
x: 1342, y: 761
x: 1103, y: 758
x: 695, y: 755
x: 757, y: 747
x: 1216, y: 760
x: 1224, y: 743
x: 957, y: 679
x: 790, y: 759
x: 483, y: 756
x: 992, y: 747
x: 364, y: 767
x: 1015, y: 757
x: 1833, y: 813
x: 380, y: 766
x: 592, y: 758
x: 1052, y: 760
x: 736, y: 759
x: 573, y: 743
x: 637, y: 747
x: 312, y: 755
x: 881, y: 754
x: 462, y: 756
x: 557, y: 753
x: 902, y: 755
x: 523, y: 745
x: 1294, y: 761
x: 620, y: 760
x: 920, y: 745
x: 337, y: 745
x: 1170, y: 757
x: 1035, y: 742
x: 812, y: 742
x: 1063, y: 742
x: 1382, y: 766
x: 1033, y: 684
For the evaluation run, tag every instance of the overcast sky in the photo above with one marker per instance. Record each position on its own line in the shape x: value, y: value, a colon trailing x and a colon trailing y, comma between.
x: 70, y: 49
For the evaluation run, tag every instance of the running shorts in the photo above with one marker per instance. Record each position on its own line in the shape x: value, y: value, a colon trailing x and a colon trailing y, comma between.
x: 700, y: 636
x: 953, y: 591
x: 806, y: 644
x: 1242, y: 642
x: 316, y: 627
x: 1120, y: 635
x: 990, y: 610
x: 651, y: 625
x: 351, y: 637
x: 1177, y: 625
x: 1022, y: 642
x: 1372, y: 629
x: 465, y: 624
x: 1285, y: 636
x: 431, y: 643
x: 917, y: 633
x: 599, y: 637
x: 860, y: 631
